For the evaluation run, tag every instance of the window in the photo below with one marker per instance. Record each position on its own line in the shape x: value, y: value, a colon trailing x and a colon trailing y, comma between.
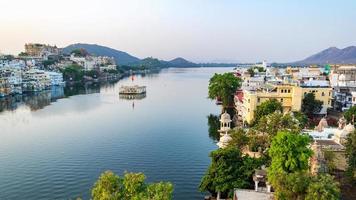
x: 288, y: 91
x: 282, y: 100
x: 322, y: 94
x: 248, y: 100
x: 258, y: 100
x: 281, y: 91
x: 329, y: 94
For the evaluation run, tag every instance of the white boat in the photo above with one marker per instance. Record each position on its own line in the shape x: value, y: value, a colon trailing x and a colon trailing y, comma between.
x: 135, y: 89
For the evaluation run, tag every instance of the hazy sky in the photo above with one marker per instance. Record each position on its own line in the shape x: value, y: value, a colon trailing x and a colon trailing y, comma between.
x: 199, y: 30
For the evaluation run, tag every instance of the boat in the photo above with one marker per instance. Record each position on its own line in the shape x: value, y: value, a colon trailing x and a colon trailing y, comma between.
x: 135, y: 89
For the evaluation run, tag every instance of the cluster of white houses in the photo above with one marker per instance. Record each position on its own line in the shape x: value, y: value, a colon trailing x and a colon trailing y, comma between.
x: 25, y: 73
x: 18, y: 76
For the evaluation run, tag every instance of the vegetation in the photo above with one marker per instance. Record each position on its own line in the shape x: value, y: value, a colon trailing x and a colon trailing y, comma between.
x: 351, y: 157
x: 73, y: 72
x: 274, y: 122
x: 289, y: 153
x: 290, y: 156
x: 224, y: 86
x: 228, y: 170
x: 267, y: 108
x: 80, y: 52
x: 302, y: 119
x: 23, y: 54
x: 310, y: 105
x: 239, y: 138
x: 323, y: 187
x: 350, y: 114
x: 329, y: 157
x: 132, y: 186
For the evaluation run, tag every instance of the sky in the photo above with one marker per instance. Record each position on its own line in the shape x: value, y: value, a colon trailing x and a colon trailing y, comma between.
x: 198, y: 30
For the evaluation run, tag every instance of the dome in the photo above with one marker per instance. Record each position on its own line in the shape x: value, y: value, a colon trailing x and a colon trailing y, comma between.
x: 225, y: 117
x: 342, y: 77
x: 349, y: 128
x: 224, y: 140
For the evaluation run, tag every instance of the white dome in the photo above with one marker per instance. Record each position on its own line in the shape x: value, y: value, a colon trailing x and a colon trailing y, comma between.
x: 342, y: 77
x: 224, y: 140
x: 349, y: 128
x: 225, y: 117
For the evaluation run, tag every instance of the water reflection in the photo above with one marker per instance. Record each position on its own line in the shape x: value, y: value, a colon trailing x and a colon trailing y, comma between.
x: 36, y: 101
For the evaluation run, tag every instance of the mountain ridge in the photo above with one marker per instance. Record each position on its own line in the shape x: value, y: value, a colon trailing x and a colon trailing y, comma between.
x: 332, y: 55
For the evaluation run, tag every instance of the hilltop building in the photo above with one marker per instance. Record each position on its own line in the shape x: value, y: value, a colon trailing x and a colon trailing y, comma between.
x: 41, y: 50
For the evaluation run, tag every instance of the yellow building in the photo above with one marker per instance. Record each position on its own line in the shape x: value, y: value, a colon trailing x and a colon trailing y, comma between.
x: 290, y: 96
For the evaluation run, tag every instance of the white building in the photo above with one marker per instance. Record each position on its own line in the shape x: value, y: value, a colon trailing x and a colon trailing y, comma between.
x: 55, y: 78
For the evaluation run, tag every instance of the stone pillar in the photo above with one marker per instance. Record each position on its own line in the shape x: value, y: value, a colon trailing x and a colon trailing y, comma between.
x: 256, y: 186
x: 268, y: 187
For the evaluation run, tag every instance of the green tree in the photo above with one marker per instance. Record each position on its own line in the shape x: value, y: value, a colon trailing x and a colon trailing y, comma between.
x: 291, y: 186
x: 302, y: 119
x: 132, y: 187
x: 274, y: 122
x: 107, y: 187
x: 330, y: 160
x: 351, y: 157
x: 228, y: 170
x: 350, y: 114
x: 224, y: 86
x: 310, y: 105
x: 239, y: 138
x: 251, y: 71
x: 323, y: 187
x: 73, y: 72
x: 267, y: 108
x: 289, y: 153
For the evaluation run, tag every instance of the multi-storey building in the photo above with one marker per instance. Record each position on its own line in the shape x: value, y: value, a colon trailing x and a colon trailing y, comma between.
x: 41, y: 50
x: 290, y: 96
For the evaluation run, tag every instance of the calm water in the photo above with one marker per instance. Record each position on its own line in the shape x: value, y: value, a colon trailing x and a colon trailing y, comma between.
x: 55, y: 148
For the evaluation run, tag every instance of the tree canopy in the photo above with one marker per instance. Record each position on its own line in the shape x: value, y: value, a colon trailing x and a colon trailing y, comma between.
x: 310, y: 105
x: 228, y: 170
x: 289, y: 152
x: 224, y: 86
x: 323, y: 187
x: 266, y: 108
x: 351, y: 157
x: 350, y: 114
x: 110, y: 186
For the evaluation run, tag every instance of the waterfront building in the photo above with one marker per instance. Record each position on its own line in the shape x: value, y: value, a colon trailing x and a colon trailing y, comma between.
x: 55, y: 78
x: 289, y: 95
x: 94, y: 62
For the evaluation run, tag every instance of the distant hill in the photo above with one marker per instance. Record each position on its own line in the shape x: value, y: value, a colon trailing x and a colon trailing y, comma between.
x: 332, y: 55
x: 121, y: 57
x: 181, y: 62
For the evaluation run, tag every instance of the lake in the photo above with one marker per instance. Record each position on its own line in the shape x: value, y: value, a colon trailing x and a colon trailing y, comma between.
x: 53, y: 147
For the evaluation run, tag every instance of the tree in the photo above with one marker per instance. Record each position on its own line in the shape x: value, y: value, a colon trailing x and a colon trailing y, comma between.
x: 267, y: 108
x: 251, y: 71
x: 310, y: 105
x: 73, y: 72
x: 224, y: 86
x: 291, y: 186
x: 351, y: 157
x: 132, y: 187
x: 289, y: 153
x: 302, y: 119
x: 108, y: 187
x: 323, y: 187
x: 350, y: 114
x: 239, y: 138
x: 274, y: 122
x: 228, y: 170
